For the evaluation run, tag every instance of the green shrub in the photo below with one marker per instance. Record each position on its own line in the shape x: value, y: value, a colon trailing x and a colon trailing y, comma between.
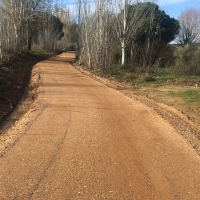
x: 188, y: 59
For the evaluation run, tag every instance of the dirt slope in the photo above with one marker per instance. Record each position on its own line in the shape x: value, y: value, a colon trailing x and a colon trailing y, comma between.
x: 83, y: 140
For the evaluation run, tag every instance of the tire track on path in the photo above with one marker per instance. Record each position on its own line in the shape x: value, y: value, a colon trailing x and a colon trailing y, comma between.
x: 59, y: 145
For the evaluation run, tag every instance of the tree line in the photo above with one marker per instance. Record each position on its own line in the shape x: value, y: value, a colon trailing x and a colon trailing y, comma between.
x: 188, y: 54
x: 25, y: 24
x: 104, y: 33
x: 127, y: 31
x: 134, y: 33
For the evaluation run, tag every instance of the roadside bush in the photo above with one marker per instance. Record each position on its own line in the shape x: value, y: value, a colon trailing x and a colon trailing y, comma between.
x: 188, y: 60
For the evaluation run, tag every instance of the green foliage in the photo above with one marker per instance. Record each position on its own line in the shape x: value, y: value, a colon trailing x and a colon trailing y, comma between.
x: 57, y: 26
x: 165, y: 27
x: 169, y: 27
x: 191, y: 97
x: 188, y: 59
x: 156, y: 77
x: 40, y: 53
x: 154, y: 34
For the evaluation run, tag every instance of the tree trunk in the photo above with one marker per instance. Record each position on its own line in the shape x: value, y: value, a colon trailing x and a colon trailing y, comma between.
x: 123, y: 63
x: 29, y: 43
x: 124, y: 35
x: 1, y: 55
x: 16, y: 39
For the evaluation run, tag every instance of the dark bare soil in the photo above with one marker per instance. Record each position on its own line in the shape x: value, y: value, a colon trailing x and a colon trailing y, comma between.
x: 15, y: 73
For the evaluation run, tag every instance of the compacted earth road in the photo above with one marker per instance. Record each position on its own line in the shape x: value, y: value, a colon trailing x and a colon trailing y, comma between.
x: 84, y: 140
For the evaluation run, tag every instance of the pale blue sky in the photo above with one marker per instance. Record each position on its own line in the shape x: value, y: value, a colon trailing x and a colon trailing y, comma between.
x: 172, y: 7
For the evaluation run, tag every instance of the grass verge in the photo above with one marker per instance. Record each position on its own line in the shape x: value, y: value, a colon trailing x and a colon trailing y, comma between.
x: 191, y: 97
x: 40, y: 53
x: 162, y: 84
x: 156, y: 77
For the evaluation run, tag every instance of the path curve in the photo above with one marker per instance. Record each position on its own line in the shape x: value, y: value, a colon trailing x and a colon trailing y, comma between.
x: 88, y: 141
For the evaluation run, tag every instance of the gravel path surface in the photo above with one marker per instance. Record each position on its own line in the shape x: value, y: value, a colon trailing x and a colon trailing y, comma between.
x: 83, y: 140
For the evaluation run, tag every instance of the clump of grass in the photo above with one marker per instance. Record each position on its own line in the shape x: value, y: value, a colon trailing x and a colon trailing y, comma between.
x: 191, y: 97
x: 40, y: 53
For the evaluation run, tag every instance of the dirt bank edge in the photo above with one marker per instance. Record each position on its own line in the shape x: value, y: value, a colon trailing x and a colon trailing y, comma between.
x: 10, y: 135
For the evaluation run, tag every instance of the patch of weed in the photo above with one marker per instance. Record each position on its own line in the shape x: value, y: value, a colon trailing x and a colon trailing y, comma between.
x: 191, y: 97
x: 40, y: 53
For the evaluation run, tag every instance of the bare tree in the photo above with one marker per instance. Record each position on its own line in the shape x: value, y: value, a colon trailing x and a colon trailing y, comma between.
x: 94, y: 28
x: 1, y: 53
x: 14, y: 11
x: 21, y: 16
x: 63, y: 13
x: 110, y: 25
x: 189, y: 27
x: 85, y: 27
x: 6, y: 33
x: 33, y: 19
x: 129, y: 16
x: 102, y: 34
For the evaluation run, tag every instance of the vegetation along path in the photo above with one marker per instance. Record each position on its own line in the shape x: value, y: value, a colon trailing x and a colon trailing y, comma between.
x: 84, y: 140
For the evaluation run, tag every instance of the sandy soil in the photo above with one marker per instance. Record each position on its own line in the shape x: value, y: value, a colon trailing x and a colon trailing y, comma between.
x: 84, y: 140
x: 184, y: 119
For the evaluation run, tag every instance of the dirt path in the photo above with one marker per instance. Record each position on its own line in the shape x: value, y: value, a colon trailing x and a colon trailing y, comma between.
x: 83, y: 140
